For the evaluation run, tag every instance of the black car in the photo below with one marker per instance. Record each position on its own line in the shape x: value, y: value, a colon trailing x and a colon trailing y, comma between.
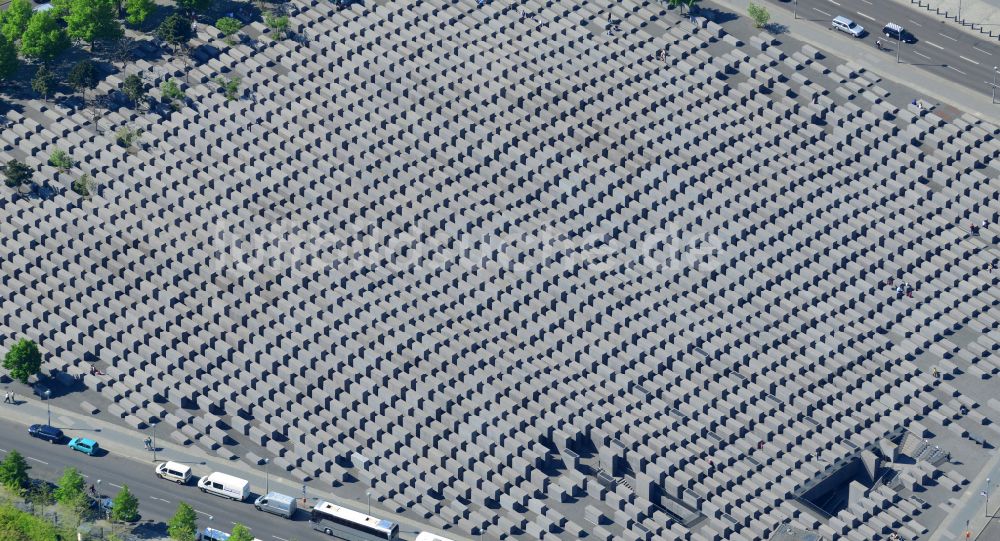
x: 46, y: 432
x: 895, y: 32
x: 40, y: 390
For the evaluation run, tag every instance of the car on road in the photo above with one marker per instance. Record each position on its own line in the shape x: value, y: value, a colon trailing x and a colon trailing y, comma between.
x: 46, y: 432
x: 172, y: 471
x: 847, y: 26
x: 40, y: 390
x: 84, y: 445
x: 895, y: 32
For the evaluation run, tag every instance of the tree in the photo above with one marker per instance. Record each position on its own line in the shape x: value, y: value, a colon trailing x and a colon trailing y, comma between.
x: 14, y: 21
x: 184, y: 524
x: 84, y: 186
x: 135, y: 89
x: 759, y: 15
x: 136, y: 11
x: 277, y: 23
x: 229, y: 87
x: 194, y: 5
x: 23, y: 360
x: 8, y: 58
x: 72, y: 492
x: 83, y: 76
x: 175, y: 30
x: 172, y: 94
x: 43, y: 39
x: 125, y: 507
x: 92, y: 20
x: 240, y: 533
x: 127, y: 137
x: 60, y: 160
x: 14, y: 472
x: 228, y: 26
x: 44, y: 81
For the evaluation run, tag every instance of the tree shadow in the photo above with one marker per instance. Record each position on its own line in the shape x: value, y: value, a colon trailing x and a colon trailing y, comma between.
x: 716, y: 15
x: 775, y: 29
x: 150, y: 530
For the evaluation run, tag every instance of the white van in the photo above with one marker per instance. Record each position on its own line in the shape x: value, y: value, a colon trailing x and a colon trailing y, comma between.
x: 172, y: 471
x: 428, y: 536
x: 225, y: 485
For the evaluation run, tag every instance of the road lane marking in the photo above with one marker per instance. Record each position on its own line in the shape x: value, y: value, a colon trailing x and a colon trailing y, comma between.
x: 982, y: 51
x: 914, y: 22
x: 161, y: 499
x: 114, y: 485
x: 958, y: 70
x: 279, y: 538
x: 923, y: 55
x: 947, y: 36
x: 821, y: 11
x: 968, y: 60
x: 867, y: 2
x: 834, y: 2
x: 203, y: 513
x: 932, y: 44
x: 866, y: 16
x: 3, y: 450
x: 36, y: 460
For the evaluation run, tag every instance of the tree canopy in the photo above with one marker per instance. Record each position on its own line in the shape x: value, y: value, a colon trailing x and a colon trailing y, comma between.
x: 14, y: 472
x: 183, y: 526
x: 44, y: 39
x: 125, y: 506
x: 135, y: 89
x: 14, y: 21
x: 60, y: 160
x: 71, y: 491
x: 759, y: 14
x: 240, y: 533
x: 175, y: 29
x: 44, y: 81
x: 23, y: 360
x: 137, y: 11
x: 83, y: 76
x: 92, y: 20
x: 194, y: 5
x: 228, y: 25
x: 8, y: 58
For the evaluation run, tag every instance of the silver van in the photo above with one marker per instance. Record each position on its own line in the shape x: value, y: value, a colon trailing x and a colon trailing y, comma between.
x: 276, y: 504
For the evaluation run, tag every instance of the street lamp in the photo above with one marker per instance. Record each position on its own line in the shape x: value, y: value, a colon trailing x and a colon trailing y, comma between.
x: 48, y: 410
x: 154, y: 422
x: 899, y: 40
x: 267, y: 478
x: 795, y: 9
x: 993, y: 98
x: 369, y: 494
x: 987, y: 494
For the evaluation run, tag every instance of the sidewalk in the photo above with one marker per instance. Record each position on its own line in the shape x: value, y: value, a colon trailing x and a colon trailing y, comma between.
x: 863, y: 54
x: 970, y: 511
x: 129, y: 444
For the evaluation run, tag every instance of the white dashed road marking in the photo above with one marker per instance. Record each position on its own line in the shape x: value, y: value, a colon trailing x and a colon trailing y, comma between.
x: 203, y: 513
x: 982, y: 51
x: 834, y: 2
x: 866, y: 16
x: 114, y: 485
x: 968, y: 60
x: 932, y: 44
x: 947, y: 36
x: 821, y: 11
x: 921, y: 54
x: 914, y: 22
x: 36, y: 460
x: 956, y: 69
x: 160, y: 499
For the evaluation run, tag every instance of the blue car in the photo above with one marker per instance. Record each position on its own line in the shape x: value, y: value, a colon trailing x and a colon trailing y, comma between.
x: 46, y: 432
x: 84, y: 445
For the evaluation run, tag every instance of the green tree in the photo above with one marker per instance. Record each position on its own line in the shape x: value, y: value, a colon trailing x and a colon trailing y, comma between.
x: 228, y: 26
x: 184, y: 524
x: 127, y: 136
x: 137, y: 11
x: 277, y: 23
x: 135, y: 89
x: 175, y: 30
x: 8, y: 58
x: 60, y: 160
x: 44, y: 81
x: 14, y: 21
x: 84, y: 186
x: 83, y: 76
x: 16, y: 174
x: 44, y: 39
x: 92, y: 20
x: 23, y: 360
x: 125, y: 506
x: 194, y: 5
x: 71, y: 493
x: 14, y: 472
x: 240, y: 533
x: 759, y: 14
x: 229, y: 87
x: 172, y: 94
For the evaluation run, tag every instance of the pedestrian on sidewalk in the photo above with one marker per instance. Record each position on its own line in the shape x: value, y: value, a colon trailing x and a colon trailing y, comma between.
x: 6, y: 397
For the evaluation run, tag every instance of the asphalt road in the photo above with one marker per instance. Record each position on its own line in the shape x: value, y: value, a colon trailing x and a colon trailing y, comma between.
x: 158, y: 499
x: 941, y: 48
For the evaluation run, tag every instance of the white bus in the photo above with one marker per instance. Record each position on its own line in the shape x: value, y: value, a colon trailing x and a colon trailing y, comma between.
x: 428, y: 536
x: 349, y: 525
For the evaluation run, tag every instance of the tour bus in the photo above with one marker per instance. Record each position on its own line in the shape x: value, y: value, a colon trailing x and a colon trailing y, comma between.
x: 225, y: 485
x: 351, y: 525
x: 428, y: 536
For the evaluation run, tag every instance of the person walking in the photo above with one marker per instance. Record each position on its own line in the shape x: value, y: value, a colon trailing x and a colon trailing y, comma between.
x: 6, y: 397
x: 878, y: 44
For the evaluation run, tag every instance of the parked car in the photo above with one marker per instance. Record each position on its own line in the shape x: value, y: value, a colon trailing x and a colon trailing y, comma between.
x: 847, y: 26
x: 225, y: 485
x: 46, y: 432
x: 40, y: 390
x: 84, y: 445
x: 276, y: 504
x: 895, y: 32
